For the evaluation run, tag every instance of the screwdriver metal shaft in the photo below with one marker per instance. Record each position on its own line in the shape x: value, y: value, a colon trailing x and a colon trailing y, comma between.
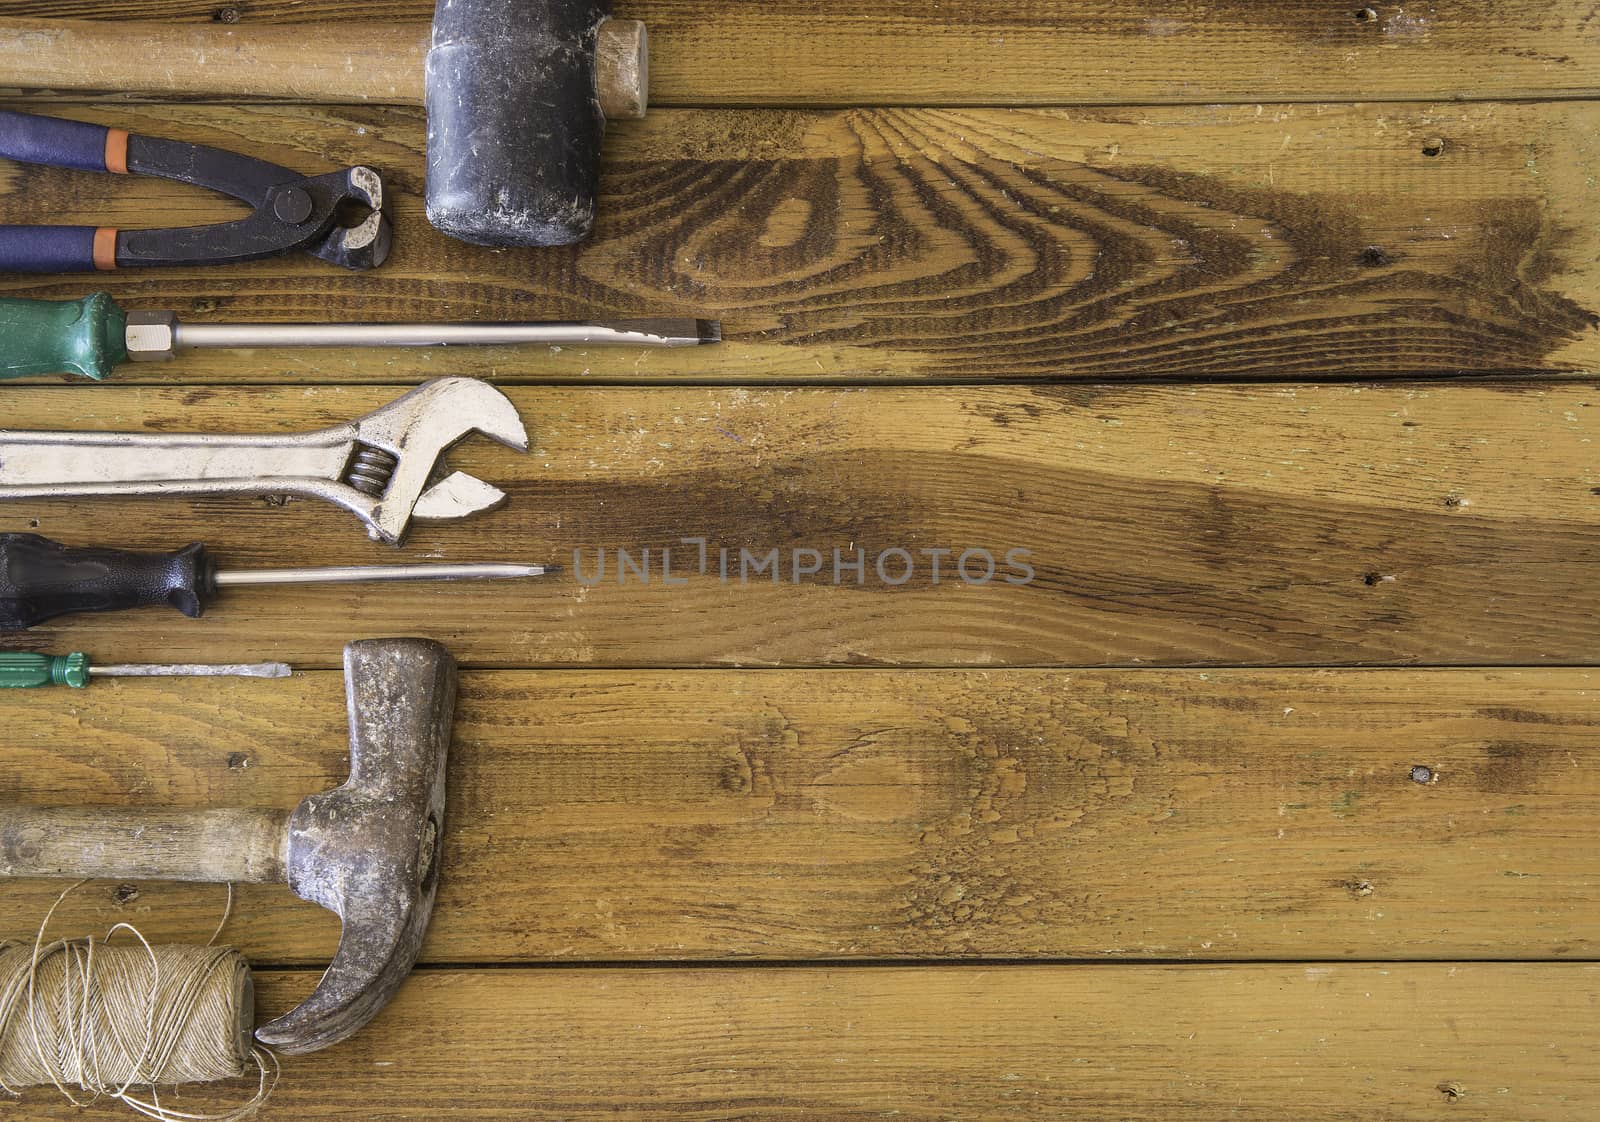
x: 156, y: 335
x: 193, y: 670
x: 353, y: 574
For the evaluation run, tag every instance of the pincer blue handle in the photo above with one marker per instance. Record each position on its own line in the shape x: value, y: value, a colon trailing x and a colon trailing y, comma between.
x: 33, y: 139
x: 64, y: 144
x: 48, y: 249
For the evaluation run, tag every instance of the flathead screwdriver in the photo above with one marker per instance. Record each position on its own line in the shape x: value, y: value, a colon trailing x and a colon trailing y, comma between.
x: 21, y: 670
x: 92, y: 335
x: 41, y: 579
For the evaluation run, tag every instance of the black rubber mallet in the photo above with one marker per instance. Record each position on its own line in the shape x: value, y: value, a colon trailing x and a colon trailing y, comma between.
x: 514, y: 120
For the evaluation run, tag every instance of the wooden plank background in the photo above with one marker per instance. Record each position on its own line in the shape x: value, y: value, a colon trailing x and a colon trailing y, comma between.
x: 601, y: 816
x: 1270, y: 330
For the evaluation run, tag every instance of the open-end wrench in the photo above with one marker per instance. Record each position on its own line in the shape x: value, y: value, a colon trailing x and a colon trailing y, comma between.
x: 385, y: 468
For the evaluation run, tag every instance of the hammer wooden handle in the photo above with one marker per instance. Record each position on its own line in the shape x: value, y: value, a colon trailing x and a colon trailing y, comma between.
x: 297, y: 62
x: 217, y: 846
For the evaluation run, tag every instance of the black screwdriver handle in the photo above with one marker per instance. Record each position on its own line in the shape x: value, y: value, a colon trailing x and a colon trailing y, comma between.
x: 41, y: 579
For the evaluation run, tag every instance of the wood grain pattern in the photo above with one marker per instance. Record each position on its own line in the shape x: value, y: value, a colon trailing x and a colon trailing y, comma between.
x: 1224, y: 524
x: 1256, y: 242
x: 873, y: 814
x: 910, y: 52
x: 1413, y: 1043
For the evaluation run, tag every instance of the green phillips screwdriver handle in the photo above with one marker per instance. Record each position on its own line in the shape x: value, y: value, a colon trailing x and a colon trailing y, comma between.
x: 87, y: 336
x: 26, y: 670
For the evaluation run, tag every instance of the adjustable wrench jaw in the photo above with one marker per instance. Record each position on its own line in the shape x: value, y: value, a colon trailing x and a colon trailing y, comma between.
x: 384, y: 468
x: 416, y: 431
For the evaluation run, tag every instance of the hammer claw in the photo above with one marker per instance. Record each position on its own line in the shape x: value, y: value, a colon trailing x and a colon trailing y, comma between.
x: 369, y: 850
x: 376, y: 951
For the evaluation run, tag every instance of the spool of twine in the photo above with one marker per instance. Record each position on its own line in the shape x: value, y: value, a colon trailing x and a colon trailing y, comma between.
x: 86, y: 1014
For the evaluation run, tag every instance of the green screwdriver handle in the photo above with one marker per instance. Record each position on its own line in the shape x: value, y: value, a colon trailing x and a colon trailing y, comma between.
x: 25, y: 670
x: 87, y: 336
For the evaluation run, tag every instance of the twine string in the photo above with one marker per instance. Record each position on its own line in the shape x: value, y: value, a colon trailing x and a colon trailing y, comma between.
x: 107, y: 1018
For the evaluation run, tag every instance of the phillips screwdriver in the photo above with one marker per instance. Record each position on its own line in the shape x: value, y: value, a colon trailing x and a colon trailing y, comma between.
x: 92, y: 335
x: 22, y: 670
x: 41, y: 579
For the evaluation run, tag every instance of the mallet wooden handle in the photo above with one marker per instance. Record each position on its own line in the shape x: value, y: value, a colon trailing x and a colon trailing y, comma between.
x: 297, y: 62
x: 246, y: 846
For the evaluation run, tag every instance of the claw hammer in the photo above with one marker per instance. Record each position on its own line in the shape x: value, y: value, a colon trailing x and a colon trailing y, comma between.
x: 368, y: 851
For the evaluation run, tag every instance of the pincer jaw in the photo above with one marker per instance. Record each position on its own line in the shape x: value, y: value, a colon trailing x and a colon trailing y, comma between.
x: 365, y: 245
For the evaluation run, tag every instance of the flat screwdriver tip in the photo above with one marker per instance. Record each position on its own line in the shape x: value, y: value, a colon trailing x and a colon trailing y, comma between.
x: 709, y: 330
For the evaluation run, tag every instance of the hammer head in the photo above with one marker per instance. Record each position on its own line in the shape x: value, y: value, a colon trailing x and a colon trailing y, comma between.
x: 514, y: 120
x: 369, y: 850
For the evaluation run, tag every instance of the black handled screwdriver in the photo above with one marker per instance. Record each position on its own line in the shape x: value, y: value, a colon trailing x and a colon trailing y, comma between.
x: 41, y: 579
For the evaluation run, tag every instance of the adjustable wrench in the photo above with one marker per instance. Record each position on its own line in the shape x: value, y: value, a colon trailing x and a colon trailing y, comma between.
x: 385, y: 468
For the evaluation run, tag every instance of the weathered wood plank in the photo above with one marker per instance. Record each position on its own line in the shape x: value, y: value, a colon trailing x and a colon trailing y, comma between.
x: 910, y: 52
x: 874, y: 814
x: 1500, y: 1043
x: 1224, y: 525
x: 924, y: 244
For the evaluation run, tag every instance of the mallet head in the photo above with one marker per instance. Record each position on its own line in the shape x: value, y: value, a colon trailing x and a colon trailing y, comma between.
x: 369, y: 850
x: 514, y: 120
